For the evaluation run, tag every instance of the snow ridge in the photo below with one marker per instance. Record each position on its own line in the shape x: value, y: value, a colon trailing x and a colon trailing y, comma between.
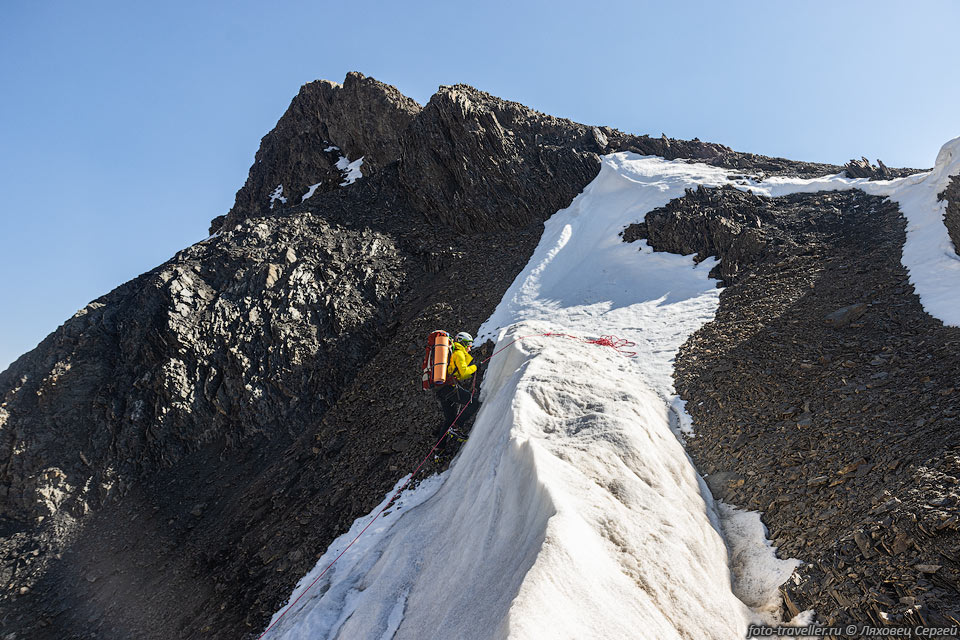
x: 573, y: 510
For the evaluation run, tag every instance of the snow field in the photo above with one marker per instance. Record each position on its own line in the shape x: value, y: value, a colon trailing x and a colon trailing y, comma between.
x: 629, y: 551
x: 333, y: 584
x: 573, y: 510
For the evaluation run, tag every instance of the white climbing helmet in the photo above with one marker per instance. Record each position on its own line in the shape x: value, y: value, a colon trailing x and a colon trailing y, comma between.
x: 464, y: 338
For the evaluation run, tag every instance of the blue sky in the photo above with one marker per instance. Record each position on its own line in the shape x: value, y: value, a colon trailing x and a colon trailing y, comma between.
x: 125, y: 127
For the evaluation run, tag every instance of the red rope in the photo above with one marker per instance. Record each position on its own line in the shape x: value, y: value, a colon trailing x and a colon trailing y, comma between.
x: 605, y: 341
x: 616, y: 343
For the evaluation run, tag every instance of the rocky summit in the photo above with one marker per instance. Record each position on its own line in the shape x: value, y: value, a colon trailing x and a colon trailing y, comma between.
x: 178, y: 454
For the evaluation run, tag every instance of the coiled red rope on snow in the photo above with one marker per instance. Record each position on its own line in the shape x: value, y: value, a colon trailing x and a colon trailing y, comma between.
x: 615, y: 343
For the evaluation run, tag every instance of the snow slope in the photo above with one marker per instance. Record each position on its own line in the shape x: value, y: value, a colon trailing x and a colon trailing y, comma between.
x: 573, y: 510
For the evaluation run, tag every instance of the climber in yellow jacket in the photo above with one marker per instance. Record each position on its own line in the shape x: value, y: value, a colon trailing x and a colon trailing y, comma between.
x: 460, y: 365
x: 456, y: 398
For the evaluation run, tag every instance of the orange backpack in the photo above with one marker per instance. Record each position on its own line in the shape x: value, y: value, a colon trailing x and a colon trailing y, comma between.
x: 435, y: 360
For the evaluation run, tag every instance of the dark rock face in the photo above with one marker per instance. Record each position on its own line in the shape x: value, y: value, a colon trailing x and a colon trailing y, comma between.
x: 727, y: 223
x: 363, y: 117
x: 221, y: 343
x: 951, y: 216
x: 472, y: 161
x: 282, y: 402
x: 824, y: 396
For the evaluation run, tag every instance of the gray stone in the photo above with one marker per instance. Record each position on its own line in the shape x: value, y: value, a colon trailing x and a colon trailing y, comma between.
x: 273, y: 275
x: 863, y: 169
x: 927, y: 568
x: 723, y: 482
x: 845, y: 316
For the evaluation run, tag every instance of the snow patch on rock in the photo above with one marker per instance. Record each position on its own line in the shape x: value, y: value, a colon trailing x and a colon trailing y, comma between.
x: 351, y: 170
x: 310, y: 191
x: 277, y: 194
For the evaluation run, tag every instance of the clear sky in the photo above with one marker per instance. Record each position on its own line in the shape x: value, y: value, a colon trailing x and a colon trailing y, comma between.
x: 125, y: 126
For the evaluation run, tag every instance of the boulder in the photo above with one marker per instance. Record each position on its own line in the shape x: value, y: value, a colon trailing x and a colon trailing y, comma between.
x: 845, y: 316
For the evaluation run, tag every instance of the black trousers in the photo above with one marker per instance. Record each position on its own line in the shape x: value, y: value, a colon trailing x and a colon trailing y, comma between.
x: 452, y: 398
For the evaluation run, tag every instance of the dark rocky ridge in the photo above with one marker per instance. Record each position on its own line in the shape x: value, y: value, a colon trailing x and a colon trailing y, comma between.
x: 468, y: 159
x: 202, y: 431
x: 724, y: 222
x: 469, y: 154
x: 363, y: 117
x: 951, y: 217
x: 863, y: 169
x: 825, y: 397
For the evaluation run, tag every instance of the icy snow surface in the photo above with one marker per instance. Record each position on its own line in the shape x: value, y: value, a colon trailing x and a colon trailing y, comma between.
x: 573, y: 510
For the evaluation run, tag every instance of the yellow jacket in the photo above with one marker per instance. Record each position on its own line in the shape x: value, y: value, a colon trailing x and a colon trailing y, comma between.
x: 459, y: 366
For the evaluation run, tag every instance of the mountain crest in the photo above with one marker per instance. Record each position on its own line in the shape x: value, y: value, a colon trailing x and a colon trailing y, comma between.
x: 467, y: 160
x: 326, y: 126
